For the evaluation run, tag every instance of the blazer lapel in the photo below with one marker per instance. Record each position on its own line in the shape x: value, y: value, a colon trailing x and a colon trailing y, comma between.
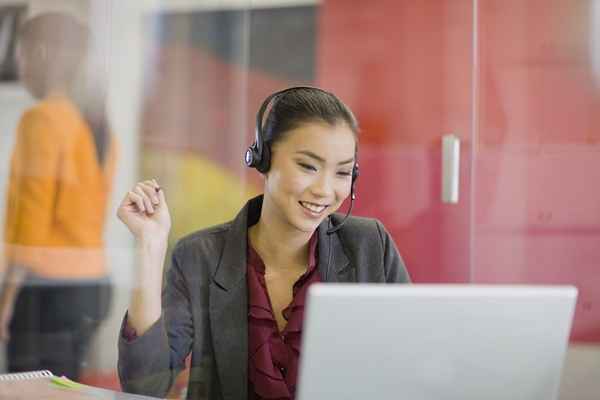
x: 228, y: 299
x: 229, y: 329
x: 334, y: 264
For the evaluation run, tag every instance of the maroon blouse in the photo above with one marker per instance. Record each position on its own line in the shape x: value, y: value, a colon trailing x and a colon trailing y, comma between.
x: 273, y: 355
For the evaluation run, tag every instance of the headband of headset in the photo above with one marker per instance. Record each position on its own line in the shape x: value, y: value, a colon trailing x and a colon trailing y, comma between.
x: 258, y: 154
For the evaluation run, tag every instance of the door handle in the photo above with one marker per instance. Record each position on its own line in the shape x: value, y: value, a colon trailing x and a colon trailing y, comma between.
x: 450, y: 168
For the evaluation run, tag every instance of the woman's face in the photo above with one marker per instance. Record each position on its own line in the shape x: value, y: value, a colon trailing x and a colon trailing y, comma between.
x: 311, y: 173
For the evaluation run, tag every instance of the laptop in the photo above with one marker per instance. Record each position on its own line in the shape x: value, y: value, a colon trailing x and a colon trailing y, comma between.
x: 434, y: 342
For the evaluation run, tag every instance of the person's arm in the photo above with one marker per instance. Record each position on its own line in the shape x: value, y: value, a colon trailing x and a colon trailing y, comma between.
x: 145, y: 212
x: 161, y: 318
x: 145, y: 305
x: 13, y: 280
x: 150, y: 363
x: 393, y: 265
x: 33, y: 185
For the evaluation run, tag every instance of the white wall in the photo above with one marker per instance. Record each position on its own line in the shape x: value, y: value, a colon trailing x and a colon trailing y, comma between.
x: 78, y: 8
x: 120, y: 24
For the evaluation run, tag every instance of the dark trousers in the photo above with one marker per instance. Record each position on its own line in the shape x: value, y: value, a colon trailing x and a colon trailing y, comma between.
x: 53, y: 324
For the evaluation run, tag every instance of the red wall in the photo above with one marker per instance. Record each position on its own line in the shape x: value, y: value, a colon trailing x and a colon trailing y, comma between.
x: 405, y: 69
x: 529, y: 210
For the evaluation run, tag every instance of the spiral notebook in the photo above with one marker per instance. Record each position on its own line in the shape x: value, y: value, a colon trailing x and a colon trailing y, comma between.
x: 23, y: 376
x: 44, y: 384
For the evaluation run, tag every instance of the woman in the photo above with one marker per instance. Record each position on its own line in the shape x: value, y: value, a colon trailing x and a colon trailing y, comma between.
x: 55, y: 290
x: 234, y: 294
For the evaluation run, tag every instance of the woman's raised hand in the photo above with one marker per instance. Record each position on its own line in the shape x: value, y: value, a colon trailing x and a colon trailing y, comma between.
x: 145, y: 212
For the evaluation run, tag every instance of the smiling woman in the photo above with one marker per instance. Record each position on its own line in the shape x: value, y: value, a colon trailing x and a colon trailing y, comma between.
x: 234, y: 294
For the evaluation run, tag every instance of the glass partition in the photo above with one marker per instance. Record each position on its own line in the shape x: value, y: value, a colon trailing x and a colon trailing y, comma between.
x: 515, y: 83
x: 536, y: 160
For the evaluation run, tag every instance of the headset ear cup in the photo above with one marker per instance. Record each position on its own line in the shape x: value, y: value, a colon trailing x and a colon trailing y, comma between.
x: 249, y: 157
x: 252, y: 157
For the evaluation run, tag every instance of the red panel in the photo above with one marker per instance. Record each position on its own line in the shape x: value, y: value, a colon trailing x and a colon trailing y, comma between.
x: 405, y: 69
x: 537, y: 199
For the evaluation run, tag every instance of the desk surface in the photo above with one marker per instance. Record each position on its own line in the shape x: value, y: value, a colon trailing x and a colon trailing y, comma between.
x: 43, y: 388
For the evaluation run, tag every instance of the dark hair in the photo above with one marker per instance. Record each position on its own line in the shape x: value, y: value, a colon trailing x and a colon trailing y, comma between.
x: 302, y: 105
x: 68, y: 41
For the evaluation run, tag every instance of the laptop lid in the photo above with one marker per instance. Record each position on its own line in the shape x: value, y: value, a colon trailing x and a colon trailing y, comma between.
x: 432, y: 342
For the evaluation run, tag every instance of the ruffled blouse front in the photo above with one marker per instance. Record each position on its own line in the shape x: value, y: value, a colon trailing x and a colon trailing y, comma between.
x: 273, y: 355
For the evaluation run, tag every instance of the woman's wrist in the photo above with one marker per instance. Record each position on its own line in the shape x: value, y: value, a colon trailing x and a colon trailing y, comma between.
x: 145, y: 306
x: 151, y: 252
x: 153, y: 242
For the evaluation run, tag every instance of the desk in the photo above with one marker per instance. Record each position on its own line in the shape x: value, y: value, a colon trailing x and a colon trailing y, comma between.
x: 44, y: 388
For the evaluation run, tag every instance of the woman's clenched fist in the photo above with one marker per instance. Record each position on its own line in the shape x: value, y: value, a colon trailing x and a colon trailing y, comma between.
x: 145, y: 212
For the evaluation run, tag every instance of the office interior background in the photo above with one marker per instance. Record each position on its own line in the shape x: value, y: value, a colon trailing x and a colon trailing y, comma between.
x: 516, y: 81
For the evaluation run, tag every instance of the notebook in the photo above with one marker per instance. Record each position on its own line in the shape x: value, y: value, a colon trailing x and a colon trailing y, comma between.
x: 43, y: 384
x: 23, y: 376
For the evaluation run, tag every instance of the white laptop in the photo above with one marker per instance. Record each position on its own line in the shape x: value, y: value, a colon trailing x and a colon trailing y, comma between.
x: 434, y: 342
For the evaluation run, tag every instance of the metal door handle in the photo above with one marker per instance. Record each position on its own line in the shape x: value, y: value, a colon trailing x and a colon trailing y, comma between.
x: 450, y: 168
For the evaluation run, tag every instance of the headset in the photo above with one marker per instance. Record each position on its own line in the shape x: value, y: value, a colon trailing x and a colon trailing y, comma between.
x: 258, y: 154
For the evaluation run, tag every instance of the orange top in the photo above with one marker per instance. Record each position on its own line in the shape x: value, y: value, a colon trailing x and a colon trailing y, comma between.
x: 57, y: 194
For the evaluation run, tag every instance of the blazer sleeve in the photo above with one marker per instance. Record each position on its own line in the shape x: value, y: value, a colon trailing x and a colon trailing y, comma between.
x: 150, y: 363
x: 393, y: 265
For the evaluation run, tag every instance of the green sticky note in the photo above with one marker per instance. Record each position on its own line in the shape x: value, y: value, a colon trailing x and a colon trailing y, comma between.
x: 65, y: 382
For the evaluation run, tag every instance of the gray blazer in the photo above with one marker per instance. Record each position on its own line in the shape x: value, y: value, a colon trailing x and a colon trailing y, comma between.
x: 205, y: 303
